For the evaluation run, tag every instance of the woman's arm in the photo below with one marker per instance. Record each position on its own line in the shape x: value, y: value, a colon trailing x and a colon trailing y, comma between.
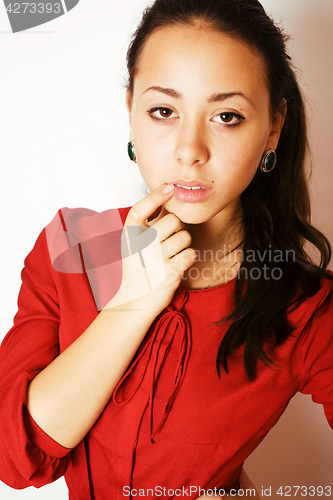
x: 27, y: 455
x: 67, y: 397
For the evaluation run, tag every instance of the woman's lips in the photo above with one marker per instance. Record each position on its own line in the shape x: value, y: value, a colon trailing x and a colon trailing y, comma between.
x: 191, y: 191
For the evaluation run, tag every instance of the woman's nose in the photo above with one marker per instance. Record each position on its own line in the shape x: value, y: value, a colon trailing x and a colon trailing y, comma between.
x: 191, y: 145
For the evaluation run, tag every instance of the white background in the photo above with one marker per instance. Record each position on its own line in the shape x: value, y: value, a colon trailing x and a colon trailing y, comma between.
x: 63, y: 137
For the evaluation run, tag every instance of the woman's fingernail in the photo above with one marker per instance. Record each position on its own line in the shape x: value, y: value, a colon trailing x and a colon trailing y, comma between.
x: 168, y: 189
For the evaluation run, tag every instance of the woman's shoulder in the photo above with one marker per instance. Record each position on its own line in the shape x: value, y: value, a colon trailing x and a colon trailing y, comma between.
x: 77, y: 241
x: 74, y: 234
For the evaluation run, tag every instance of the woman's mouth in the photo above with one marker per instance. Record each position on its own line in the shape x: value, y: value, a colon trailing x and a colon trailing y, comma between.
x: 192, y: 191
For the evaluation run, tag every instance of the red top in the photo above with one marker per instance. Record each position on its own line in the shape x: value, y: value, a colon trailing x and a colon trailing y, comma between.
x: 171, y: 423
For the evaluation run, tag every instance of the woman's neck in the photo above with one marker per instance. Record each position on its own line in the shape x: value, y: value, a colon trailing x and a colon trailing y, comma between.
x: 215, y: 236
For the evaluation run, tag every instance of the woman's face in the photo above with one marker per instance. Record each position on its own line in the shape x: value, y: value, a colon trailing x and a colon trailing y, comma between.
x: 200, y: 116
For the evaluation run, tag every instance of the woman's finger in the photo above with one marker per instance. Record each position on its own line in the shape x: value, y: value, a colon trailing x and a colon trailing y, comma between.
x: 181, y: 262
x: 143, y: 209
x: 168, y: 225
x: 175, y: 244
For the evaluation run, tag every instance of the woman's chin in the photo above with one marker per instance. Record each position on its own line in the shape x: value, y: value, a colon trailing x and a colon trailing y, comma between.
x: 191, y: 220
x: 188, y: 213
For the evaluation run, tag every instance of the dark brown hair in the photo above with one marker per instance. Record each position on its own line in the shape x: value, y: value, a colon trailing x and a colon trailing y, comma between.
x: 276, y: 206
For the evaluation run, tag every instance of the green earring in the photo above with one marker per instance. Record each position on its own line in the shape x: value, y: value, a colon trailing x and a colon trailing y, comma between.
x: 268, y: 161
x: 131, y: 151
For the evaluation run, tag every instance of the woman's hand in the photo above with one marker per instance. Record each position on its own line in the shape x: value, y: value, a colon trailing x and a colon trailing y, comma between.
x: 245, y: 484
x: 154, y: 255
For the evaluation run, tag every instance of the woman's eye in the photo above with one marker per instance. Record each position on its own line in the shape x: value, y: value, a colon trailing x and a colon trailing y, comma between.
x: 161, y: 113
x: 228, y: 118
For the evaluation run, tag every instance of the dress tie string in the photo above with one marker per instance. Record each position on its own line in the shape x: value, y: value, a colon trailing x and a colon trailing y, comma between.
x: 168, y: 326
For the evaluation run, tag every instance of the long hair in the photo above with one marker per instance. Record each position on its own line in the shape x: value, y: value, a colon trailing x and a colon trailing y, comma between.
x: 276, y: 206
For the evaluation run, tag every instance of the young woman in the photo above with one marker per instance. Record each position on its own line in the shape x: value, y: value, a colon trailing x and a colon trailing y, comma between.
x: 164, y: 374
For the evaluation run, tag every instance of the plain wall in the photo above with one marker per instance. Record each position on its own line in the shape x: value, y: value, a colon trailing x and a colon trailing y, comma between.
x: 64, y: 132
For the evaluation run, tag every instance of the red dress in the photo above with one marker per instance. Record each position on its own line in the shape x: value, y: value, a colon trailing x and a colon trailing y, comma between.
x: 172, y: 426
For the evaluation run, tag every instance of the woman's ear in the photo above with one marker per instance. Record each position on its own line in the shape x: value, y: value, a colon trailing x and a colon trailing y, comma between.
x: 277, y: 126
x: 129, y: 104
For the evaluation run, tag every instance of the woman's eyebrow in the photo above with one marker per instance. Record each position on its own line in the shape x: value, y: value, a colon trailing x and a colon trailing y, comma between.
x: 169, y: 92
x: 213, y: 98
x: 228, y: 95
